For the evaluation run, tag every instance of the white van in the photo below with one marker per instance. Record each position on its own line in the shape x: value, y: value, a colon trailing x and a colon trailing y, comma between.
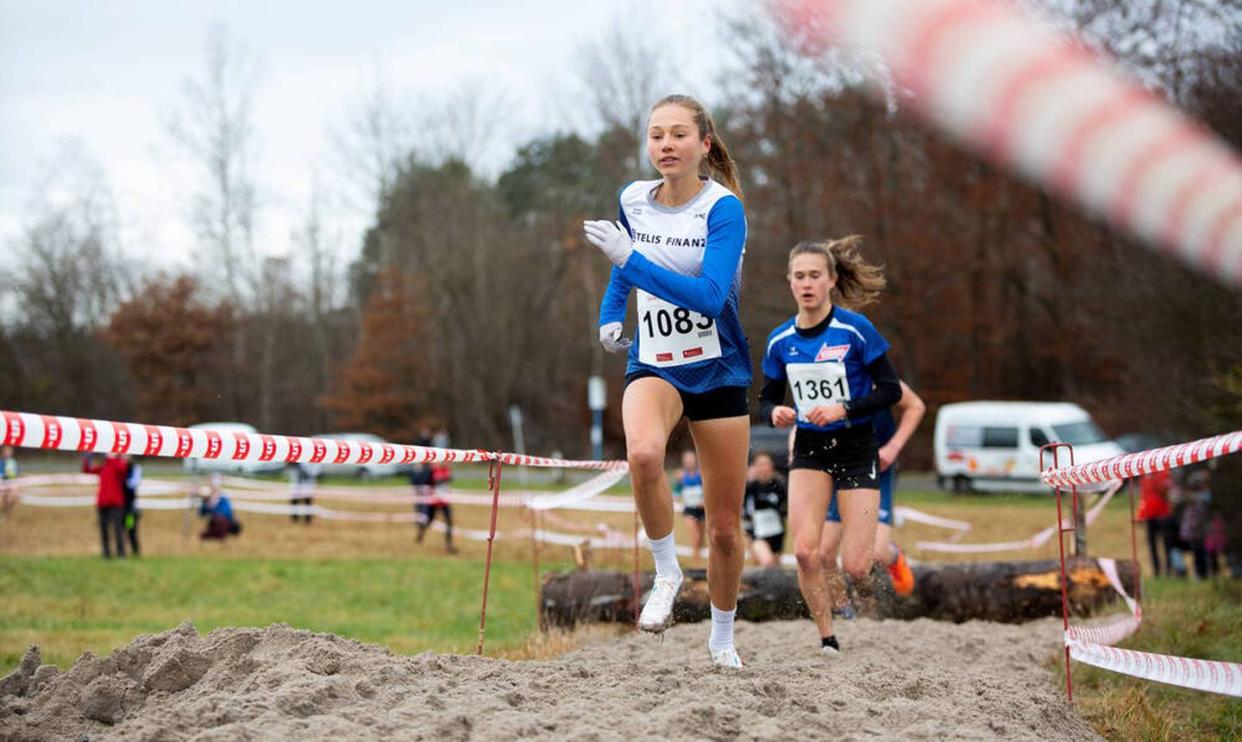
x: 995, y: 445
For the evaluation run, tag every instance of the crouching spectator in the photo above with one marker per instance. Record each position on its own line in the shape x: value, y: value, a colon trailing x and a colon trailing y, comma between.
x: 218, y: 510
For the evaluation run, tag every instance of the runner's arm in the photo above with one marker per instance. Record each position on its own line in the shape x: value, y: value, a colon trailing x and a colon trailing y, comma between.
x: 771, y: 396
x: 612, y: 307
x: 909, y: 409
x: 885, y: 389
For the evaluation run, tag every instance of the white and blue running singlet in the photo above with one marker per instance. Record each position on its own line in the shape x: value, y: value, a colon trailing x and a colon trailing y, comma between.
x: 687, y: 267
x: 828, y: 367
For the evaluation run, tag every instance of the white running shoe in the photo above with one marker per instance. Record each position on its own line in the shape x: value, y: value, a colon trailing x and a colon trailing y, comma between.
x: 657, y: 613
x: 727, y: 658
x: 831, y: 652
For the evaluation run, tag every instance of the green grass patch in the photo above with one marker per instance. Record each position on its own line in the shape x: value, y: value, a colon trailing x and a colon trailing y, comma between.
x: 68, y: 605
x: 1188, y: 619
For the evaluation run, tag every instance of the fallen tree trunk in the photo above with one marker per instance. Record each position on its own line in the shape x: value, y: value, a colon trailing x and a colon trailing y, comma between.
x: 1007, y: 592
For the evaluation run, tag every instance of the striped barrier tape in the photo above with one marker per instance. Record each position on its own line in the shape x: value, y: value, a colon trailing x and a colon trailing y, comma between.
x: 1041, y: 104
x: 1092, y: 645
x: 1206, y: 675
x: 61, y: 433
x: 1145, y: 462
x: 1116, y: 630
x: 1035, y: 541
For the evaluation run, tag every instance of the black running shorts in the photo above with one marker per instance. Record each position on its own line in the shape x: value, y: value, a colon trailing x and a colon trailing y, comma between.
x: 724, y: 401
x: 848, y: 455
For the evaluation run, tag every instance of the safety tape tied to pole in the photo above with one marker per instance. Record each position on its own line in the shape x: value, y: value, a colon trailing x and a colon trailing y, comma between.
x: 1092, y: 645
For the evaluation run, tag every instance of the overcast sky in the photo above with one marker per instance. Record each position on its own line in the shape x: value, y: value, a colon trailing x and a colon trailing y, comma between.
x: 103, y: 77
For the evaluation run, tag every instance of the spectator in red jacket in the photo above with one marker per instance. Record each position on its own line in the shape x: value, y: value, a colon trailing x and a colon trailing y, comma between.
x: 1157, y: 513
x: 110, y: 500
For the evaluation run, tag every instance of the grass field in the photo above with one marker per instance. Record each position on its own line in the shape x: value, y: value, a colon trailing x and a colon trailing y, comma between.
x: 69, y: 604
x: 371, y: 582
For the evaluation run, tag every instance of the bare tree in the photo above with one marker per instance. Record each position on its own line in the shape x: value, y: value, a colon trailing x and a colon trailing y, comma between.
x: 462, y: 126
x: 373, y: 145
x: 69, y: 276
x: 622, y: 73
x: 318, y: 264
x: 215, y: 128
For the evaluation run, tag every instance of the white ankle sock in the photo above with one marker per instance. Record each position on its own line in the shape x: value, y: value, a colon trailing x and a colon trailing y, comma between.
x: 722, y: 629
x: 664, y: 550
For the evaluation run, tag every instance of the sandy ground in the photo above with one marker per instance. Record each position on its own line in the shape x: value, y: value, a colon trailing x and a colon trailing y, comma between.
x: 916, y: 680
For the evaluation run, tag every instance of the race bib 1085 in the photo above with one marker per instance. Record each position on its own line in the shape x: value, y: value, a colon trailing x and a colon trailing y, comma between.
x: 670, y: 335
x: 816, y: 384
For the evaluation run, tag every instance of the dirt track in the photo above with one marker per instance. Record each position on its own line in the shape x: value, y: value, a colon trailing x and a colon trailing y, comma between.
x: 917, y: 680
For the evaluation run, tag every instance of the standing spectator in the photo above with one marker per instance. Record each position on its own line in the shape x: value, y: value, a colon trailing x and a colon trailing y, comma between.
x: 218, y: 509
x: 1192, y: 525
x: 8, y: 477
x: 110, y: 500
x: 1156, y: 512
x: 1215, y: 542
x: 133, y: 479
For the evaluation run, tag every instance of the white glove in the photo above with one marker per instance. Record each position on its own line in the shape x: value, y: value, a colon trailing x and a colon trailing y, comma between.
x: 611, y: 238
x: 610, y: 338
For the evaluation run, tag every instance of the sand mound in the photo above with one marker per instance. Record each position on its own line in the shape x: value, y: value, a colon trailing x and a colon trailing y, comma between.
x: 920, y: 679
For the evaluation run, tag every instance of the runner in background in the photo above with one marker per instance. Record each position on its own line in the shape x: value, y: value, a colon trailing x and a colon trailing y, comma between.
x: 764, y: 511
x: 836, y: 364
x: 679, y: 241
x: 892, y: 436
x: 688, y: 487
x: 302, y: 479
x: 430, y: 483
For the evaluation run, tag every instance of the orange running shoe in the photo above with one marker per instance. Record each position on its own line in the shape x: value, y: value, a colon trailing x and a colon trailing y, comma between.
x: 903, y: 578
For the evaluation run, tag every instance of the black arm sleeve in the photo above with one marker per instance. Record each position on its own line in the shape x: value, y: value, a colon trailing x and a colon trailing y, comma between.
x: 885, y: 391
x: 771, y: 396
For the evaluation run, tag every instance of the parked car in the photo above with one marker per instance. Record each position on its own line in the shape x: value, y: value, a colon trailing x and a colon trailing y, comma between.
x: 198, y: 466
x: 772, y: 441
x: 995, y: 445
x: 1135, y: 442
x: 369, y: 470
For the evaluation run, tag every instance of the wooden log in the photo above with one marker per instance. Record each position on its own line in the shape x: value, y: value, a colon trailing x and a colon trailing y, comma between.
x: 1007, y: 592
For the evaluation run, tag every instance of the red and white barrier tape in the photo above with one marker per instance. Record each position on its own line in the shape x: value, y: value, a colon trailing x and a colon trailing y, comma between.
x: 1207, y: 675
x: 1091, y: 645
x: 1033, y: 542
x: 1114, y: 631
x: 29, y: 430
x: 1145, y: 462
x: 1041, y: 104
